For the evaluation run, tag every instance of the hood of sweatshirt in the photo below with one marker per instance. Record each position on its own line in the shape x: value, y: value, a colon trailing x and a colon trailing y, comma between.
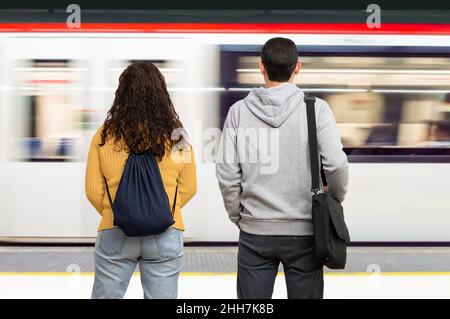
x: 274, y: 105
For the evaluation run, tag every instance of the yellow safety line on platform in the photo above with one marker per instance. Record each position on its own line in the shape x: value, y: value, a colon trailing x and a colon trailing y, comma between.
x: 219, y: 274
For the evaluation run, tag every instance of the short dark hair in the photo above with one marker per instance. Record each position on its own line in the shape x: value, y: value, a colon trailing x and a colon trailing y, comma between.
x: 279, y: 57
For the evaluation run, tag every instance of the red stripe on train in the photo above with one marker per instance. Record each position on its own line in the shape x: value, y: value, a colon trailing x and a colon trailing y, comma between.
x: 292, y: 28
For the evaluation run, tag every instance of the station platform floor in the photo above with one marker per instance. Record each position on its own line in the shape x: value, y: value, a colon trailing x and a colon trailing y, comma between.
x: 210, y: 272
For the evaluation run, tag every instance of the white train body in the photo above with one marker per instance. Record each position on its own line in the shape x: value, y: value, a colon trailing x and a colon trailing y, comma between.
x: 70, y: 79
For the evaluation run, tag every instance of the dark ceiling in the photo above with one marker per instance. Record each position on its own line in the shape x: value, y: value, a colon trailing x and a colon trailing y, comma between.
x: 290, y: 16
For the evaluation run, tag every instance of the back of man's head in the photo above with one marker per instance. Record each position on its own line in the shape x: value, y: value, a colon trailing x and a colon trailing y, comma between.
x: 279, y: 57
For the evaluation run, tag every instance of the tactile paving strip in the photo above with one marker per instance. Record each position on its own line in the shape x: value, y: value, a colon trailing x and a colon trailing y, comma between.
x: 223, y: 259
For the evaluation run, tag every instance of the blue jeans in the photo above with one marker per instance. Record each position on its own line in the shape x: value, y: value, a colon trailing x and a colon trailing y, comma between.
x: 116, y: 257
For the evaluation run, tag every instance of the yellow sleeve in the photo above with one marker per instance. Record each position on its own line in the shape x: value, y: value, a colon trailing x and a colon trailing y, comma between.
x: 95, y: 186
x: 187, y: 181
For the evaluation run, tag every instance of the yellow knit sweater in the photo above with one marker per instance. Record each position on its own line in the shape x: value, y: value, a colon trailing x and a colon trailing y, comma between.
x: 107, y: 161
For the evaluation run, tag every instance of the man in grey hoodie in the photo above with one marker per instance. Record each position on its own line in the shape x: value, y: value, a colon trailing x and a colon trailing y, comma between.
x: 263, y: 170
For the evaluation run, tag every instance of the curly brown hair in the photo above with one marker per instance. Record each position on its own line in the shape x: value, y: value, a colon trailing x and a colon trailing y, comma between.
x: 142, y: 114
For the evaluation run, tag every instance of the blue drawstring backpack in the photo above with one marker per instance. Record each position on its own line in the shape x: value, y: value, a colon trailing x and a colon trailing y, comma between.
x: 141, y: 206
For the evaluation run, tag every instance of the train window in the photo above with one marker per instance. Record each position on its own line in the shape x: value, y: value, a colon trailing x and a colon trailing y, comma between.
x: 172, y: 70
x: 49, y: 116
x: 388, y: 108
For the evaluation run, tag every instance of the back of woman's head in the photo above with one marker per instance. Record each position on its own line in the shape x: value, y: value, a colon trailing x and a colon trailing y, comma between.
x: 142, y: 114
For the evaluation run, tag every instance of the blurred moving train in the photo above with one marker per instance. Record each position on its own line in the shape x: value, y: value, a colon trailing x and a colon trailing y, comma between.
x: 390, y: 94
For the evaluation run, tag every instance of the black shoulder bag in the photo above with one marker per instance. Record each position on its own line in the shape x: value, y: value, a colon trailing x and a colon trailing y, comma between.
x: 330, y: 232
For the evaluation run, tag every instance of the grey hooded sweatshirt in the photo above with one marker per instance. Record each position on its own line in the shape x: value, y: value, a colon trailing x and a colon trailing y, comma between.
x: 262, y: 163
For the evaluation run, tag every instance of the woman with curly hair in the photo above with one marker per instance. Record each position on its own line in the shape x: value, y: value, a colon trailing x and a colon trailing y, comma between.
x: 141, y: 120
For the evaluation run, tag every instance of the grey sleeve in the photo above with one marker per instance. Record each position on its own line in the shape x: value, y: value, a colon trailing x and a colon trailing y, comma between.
x: 334, y: 159
x: 228, y: 170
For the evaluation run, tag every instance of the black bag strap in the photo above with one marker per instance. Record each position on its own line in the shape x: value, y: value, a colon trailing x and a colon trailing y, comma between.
x: 312, y: 142
x: 175, y: 200
x: 109, y: 194
x: 111, y: 202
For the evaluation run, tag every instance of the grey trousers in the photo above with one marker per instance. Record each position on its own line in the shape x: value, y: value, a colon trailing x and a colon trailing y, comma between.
x: 116, y: 256
x: 259, y: 258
